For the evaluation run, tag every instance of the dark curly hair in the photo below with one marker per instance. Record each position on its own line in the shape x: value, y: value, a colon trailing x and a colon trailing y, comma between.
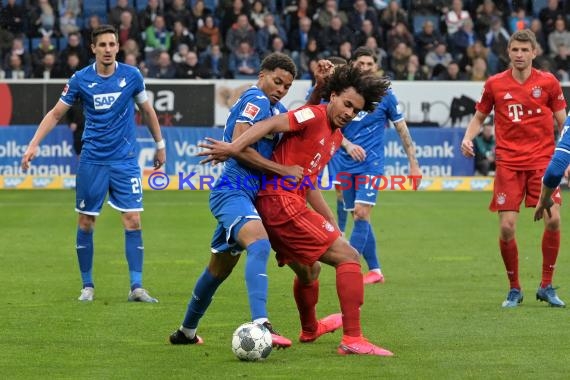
x: 371, y: 87
x: 279, y: 61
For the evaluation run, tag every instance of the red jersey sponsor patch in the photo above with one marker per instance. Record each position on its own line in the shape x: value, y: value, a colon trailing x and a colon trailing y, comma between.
x: 251, y: 110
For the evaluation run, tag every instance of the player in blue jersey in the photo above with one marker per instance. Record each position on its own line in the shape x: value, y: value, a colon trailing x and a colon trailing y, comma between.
x: 367, y: 131
x: 557, y: 168
x: 109, y: 158
x: 232, y: 203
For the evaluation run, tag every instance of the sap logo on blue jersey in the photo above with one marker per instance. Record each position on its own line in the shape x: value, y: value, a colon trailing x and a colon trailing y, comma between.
x: 105, y: 101
x: 360, y: 116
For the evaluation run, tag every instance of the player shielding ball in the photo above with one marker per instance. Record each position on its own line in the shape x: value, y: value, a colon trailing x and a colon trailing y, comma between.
x: 524, y: 100
x: 302, y: 236
x: 109, y: 158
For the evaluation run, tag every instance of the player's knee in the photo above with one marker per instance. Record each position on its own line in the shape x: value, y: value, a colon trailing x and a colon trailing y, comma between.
x: 86, y: 222
x: 132, y: 221
x: 553, y: 222
x: 507, y: 230
x: 361, y: 213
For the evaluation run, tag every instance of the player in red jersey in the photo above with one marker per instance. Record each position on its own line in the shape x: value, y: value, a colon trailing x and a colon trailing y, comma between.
x: 301, y: 236
x: 524, y: 100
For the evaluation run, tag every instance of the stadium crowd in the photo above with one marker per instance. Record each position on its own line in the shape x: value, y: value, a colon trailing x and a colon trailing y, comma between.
x: 414, y: 39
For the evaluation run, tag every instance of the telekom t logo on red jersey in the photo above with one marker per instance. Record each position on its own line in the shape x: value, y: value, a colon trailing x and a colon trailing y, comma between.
x: 515, y: 112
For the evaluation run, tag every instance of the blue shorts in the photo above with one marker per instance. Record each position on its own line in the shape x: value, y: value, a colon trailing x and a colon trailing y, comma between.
x: 357, y: 191
x: 232, y: 209
x: 121, y: 180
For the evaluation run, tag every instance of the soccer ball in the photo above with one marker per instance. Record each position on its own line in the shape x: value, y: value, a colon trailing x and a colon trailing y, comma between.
x: 251, y: 342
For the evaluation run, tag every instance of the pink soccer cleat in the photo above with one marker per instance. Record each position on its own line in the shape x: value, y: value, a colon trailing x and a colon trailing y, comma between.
x: 326, y: 325
x: 373, y: 278
x: 278, y: 340
x: 351, y: 345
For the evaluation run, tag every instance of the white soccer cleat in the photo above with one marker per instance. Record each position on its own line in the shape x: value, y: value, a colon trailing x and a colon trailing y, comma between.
x: 87, y: 294
x: 141, y: 295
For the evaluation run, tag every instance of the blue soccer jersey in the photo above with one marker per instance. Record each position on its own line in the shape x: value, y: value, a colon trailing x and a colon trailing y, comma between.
x: 109, y: 108
x: 560, y: 160
x: 367, y: 130
x: 252, y: 107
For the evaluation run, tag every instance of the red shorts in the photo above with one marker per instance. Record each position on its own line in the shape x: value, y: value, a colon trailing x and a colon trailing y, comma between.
x: 512, y: 186
x: 297, y: 233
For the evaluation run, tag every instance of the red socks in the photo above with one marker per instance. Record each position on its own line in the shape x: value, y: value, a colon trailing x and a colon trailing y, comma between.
x: 550, y: 248
x: 350, y: 290
x: 510, y: 254
x: 306, y: 297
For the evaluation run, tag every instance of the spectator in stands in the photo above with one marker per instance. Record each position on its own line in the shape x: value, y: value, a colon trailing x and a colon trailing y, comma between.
x: 399, y: 60
x: 425, y: 7
x: 542, y: 61
x: 178, y: 12
x: 559, y: 36
x: 240, y: 31
x: 456, y: 16
x: 399, y: 34
x: 45, y: 46
x: 265, y: 35
x: 157, y: 37
x: 208, y: 35
x: 477, y: 50
x: 392, y: 15
x: 15, y: 68
x: 484, y: 146
x: 257, y: 15
x: 163, y: 68
x: 299, y: 38
x: 332, y: 36
x: 69, y: 67
x: 114, y: 17
x: 181, y: 35
x: 414, y: 71
x: 277, y: 46
x: 311, y: 53
x: 294, y: 11
x: 562, y: 64
x: 214, y: 62
x: 93, y: 23
x: 438, y: 59
x: 131, y: 59
x: 485, y: 14
x: 47, y: 69
x: 345, y: 51
x: 74, y: 46
x: 179, y: 56
x: 244, y: 62
x: 536, y: 28
x: 462, y: 39
x: 427, y: 39
x: 231, y: 16
x: 199, y: 13
x: 68, y: 23
x: 129, y: 47
x: 190, y: 68
x: 549, y: 14
x: 43, y: 20
x: 327, y: 12
x: 128, y: 30
x: 19, y: 50
x: 451, y: 73
x: 13, y: 16
x: 381, y: 55
x: 361, y: 13
x: 497, y: 40
x: 367, y: 29
x: 478, y: 70
x: 147, y: 16
x: 519, y: 20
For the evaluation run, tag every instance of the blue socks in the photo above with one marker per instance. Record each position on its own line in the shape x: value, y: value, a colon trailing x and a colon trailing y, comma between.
x: 364, y: 241
x: 369, y: 252
x: 341, y: 215
x: 202, y: 295
x: 84, y: 248
x: 256, y: 277
x: 134, y: 251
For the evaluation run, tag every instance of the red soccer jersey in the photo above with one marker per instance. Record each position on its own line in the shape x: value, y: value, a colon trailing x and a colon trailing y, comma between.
x: 310, y: 144
x: 524, y: 127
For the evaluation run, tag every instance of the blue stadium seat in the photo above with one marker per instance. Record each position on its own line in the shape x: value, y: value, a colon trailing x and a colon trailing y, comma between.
x: 537, y: 5
x: 98, y: 7
x: 141, y: 4
x: 418, y: 22
x: 62, y: 43
x: 113, y: 3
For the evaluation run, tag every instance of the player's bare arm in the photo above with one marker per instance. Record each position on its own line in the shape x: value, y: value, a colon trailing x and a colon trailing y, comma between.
x: 472, y: 131
x: 545, y: 202
x: 324, y: 69
x: 356, y: 152
x: 48, y: 123
x: 216, y: 150
x: 318, y: 203
x: 149, y: 114
x: 408, y: 144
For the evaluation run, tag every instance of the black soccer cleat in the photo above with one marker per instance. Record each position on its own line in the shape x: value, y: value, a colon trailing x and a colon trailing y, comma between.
x: 178, y: 337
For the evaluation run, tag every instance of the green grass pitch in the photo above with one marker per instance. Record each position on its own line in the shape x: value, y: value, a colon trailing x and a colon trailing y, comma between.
x: 439, y: 310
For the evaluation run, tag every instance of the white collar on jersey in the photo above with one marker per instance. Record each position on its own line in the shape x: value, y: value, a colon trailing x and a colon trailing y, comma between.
x: 104, y: 76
